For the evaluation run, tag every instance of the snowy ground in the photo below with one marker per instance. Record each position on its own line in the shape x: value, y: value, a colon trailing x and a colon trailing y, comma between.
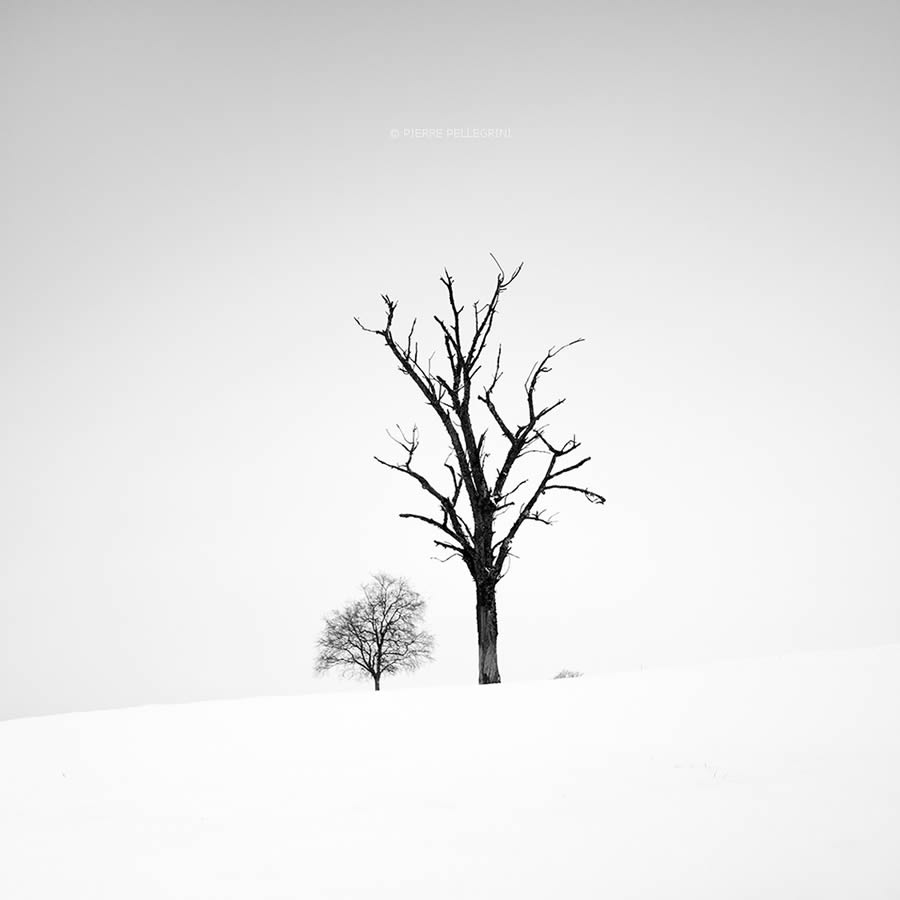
x: 773, y: 778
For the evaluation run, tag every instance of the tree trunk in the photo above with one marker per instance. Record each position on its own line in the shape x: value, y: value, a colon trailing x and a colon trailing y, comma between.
x: 486, y: 612
x: 377, y: 682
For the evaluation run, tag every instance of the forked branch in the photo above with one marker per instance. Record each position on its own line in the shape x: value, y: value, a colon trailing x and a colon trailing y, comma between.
x: 449, y: 390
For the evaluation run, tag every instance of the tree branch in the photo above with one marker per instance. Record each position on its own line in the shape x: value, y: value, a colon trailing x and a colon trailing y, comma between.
x: 449, y: 392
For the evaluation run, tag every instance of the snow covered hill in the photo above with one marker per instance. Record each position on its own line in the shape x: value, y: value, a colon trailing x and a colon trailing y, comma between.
x: 775, y: 778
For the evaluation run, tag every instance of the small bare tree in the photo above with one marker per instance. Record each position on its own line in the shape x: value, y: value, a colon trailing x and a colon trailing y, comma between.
x: 377, y: 635
x: 476, y: 536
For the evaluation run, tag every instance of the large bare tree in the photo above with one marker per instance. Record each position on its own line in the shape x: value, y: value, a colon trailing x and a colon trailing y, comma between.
x: 477, y: 537
x: 377, y: 635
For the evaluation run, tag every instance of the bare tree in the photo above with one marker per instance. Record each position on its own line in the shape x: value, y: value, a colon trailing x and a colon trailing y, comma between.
x: 477, y: 538
x: 377, y: 635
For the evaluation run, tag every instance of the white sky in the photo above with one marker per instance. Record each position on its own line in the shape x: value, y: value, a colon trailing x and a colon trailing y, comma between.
x: 195, y: 201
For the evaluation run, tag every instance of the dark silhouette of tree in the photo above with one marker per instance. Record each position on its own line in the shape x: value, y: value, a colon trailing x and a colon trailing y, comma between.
x: 477, y: 539
x: 378, y: 635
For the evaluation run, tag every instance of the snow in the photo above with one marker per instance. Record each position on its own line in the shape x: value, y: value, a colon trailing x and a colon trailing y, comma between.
x: 775, y: 778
